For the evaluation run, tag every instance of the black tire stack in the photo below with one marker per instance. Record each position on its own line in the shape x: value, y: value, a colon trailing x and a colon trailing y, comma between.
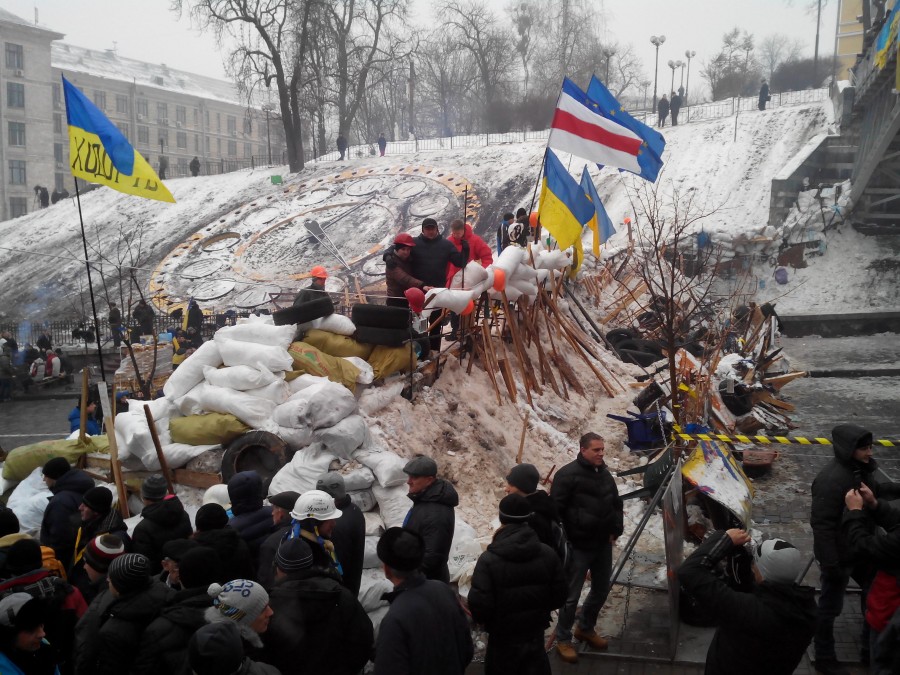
x: 380, y: 324
x: 304, y: 312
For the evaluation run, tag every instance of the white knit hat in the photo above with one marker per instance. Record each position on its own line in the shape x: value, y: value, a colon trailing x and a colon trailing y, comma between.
x: 778, y: 561
x: 240, y: 600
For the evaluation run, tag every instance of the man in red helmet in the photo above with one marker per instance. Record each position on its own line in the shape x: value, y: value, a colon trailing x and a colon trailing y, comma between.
x: 316, y: 289
x: 398, y: 270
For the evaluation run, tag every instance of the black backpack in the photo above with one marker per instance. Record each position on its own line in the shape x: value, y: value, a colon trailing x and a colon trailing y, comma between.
x: 560, y: 543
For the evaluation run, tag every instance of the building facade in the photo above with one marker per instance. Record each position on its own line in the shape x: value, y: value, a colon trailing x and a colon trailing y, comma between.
x: 169, y: 116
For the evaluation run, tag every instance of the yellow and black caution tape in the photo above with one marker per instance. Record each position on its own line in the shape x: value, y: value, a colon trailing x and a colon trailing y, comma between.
x: 775, y: 440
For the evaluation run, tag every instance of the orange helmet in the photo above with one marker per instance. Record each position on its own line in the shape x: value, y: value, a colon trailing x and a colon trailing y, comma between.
x: 319, y: 272
x: 627, y: 220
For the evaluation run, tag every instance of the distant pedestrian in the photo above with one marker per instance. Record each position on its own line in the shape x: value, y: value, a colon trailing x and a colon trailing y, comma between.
x: 342, y: 145
x: 44, y: 198
x: 194, y: 167
x: 163, y: 166
x: 663, y: 109
x: 675, y: 106
x: 382, y: 144
x: 115, y: 324
x: 764, y: 96
x: 144, y: 316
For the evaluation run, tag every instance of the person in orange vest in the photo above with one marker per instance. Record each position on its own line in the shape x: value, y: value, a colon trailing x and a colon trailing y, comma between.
x: 316, y: 289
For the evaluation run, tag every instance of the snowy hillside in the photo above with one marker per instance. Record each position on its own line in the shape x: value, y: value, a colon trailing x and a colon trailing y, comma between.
x: 229, y: 236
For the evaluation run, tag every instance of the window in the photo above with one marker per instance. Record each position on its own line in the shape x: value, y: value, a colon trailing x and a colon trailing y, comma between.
x: 183, y: 166
x: 123, y: 127
x: 100, y: 99
x: 15, y: 95
x: 121, y: 104
x: 196, y: 118
x: 196, y: 142
x: 181, y: 114
x: 143, y: 135
x: 17, y: 133
x: 143, y: 108
x: 58, y: 152
x: 232, y: 124
x: 15, y: 56
x: 57, y: 96
x: 219, y: 147
x: 248, y: 150
x: 219, y: 122
x: 17, y: 172
x: 59, y: 182
x: 207, y: 118
x: 162, y: 112
x: 18, y: 206
x: 163, y: 139
x: 57, y: 123
x: 181, y: 140
x: 207, y: 145
x: 232, y: 148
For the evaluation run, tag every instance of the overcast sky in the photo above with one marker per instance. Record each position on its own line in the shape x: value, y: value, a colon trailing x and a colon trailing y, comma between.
x: 150, y: 31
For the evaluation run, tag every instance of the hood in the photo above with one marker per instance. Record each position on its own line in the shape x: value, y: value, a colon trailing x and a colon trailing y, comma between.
x: 167, y: 513
x: 845, y: 438
x: 516, y: 542
x: 439, y: 492
x: 245, y: 490
x: 796, y: 603
x: 222, y: 540
x: 74, y: 480
x: 542, y: 503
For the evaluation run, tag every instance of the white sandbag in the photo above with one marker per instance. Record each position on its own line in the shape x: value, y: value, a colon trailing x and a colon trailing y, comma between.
x: 344, y: 437
x: 372, y: 586
x: 446, y: 298
x: 241, y: 378
x: 250, y: 410
x: 337, y: 323
x: 257, y: 318
x: 277, y: 392
x: 132, y: 432
x: 359, y: 479
x: 512, y: 293
x: 190, y: 373
x: 510, y: 259
x: 523, y: 287
x: 176, y: 454
x: 295, y: 437
x: 366, y: 371
x: 474, y: 275
x: 376, y: 616
x: 393, y: 504
x: 259, y: 333
x: 373, y: 400
x: 302, y: 472
x: 464, y: 549
x: 160, y: 408
x: 370, y: 554
x: 189, y: 404
x: 552, y: 260
x: 236, y: 353
x: 523, y: 272
x: 29, y: 501
x: 386, y: 465
x: 483, y: 286
x: 374, y: 524
x: 542, y: 276
x: 304, y: 381
x: 364, y: 500
x: 322, y: 405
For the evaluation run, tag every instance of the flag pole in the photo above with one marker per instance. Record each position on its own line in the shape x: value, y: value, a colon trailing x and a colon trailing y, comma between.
x: 87, y: 264
x: 544, y: 162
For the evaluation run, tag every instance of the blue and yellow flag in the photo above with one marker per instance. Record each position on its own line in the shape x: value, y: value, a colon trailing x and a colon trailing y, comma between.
x: 600, y: 223
x: 100, y: 153
x: 887, y: 37
x: 564, y: 209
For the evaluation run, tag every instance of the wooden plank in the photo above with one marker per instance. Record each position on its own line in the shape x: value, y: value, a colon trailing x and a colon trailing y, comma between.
x: 154, y: 436
x: 778, y: 381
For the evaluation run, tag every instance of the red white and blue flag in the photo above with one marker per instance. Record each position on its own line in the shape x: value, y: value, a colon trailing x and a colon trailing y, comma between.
x: 580, y: 131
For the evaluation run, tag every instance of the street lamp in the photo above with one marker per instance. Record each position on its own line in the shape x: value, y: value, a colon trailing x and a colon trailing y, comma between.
x: 689, y: 54
x: 608, y: 52
x: 656, y: 41
x: 267, y: 108
x: 674, y: 65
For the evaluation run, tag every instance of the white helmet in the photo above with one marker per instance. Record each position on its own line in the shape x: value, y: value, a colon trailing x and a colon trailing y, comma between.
x: 217, y: 494
x: 315, y: 504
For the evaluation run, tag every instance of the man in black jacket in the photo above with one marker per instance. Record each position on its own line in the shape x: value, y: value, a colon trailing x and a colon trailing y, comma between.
x: 591, y: 510
x: 349, y: 534
x: 252, y: 520
x: 282, y: 505
x: 318, y: 626
x: 517, y: 582
x: 523, y: 480
x: 851, y: 467
x: 163, y: 519
x: 97, y: 517
x: 765, y: 631
x: 432, y: 515
x: 58, y: 526
x: 213, y: 531
x: 430, y: 257
x: 425, y: 630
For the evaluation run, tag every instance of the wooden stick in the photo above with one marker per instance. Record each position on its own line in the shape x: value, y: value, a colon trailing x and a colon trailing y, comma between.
x: 82, y: 424
x: 116, y: 468
x: 159, y: 453
x: 522, y: 439
x: 487, y: 367
x: 524, y: 364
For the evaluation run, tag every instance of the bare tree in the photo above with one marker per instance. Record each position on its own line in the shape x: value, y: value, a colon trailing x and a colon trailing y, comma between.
x: 446, y: 73
x: 777, y: 49
x: 526, y: 15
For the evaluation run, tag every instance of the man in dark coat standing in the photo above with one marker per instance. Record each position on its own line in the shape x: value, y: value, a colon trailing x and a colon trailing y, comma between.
x: 398, y: 270
x: 144, y: 316
x: 234, y: 556
x: 342, y: 145
x: 382, y: 144
x: 97, y: 517
x: 282, y: 505
x: 115, y: 323
x: 432, y: 515
x: 349, y: 533
x: 425, y: 630
x: 674, y: 107
x: 591, y: 510
x: 523, y: 480
x: 430, y: 258
x: 851, y: 467
x: 194, y: 167
x: 59, y: 524
x: 163, y: 519
x: 763, y: 94
x: 517, y: 582
x: 316, y: 288
x: 765, y: 631
x: 663, y: 109
x: 252, y: 520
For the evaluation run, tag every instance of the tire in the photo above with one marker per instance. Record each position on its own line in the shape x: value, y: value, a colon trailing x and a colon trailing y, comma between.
x: 389, y: 337
x: 739, y: 402
x: 616, y: 335
x: 642, y: 359
x: 646, y: 346
x: 304, y: 313
x: 380, y: 316
x: 257, y: 451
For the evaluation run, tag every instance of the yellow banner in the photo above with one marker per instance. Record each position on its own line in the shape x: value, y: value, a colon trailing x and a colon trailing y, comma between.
x: 89, y: 161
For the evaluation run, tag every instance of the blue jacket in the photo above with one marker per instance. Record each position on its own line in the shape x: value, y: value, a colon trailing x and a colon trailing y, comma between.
x: 93, y: 425
x: 44, y: 654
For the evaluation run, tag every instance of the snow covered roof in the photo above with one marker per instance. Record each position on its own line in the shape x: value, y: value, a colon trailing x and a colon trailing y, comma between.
x: 9, y: 17
x: 108, y: 64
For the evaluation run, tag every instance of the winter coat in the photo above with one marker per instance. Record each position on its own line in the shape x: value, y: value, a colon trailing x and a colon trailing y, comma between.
x: 763, y: 93
x: 60, y: 522
x: 430, y: 258
x: 675, y: 105
x: 144, y: 317
x: 162, y: 521
x: 165, y: 641
x: 349, y: 539
x: 424, y: 631
x: 115, y: 317
x: 828, y: 489
x: 234, y: 554
x: 478, y: 250
x: 502, y: 236
x: 92, y: 424
x: 253, y: 668
x: 544, y: 514
x: 252, y: 520
x: 86, y: 632
x: 111, y: 523
x: 663, y: 107
x: 765, y: 631
x: 41, y: 662
x: 588, y: 503
x: 317, y: 627
x: 265, y: 572
x: 432, y: 517
x: 322, y: 549
x: 517, y: 582
x: 398, y: 273
x: 308, y: 294
x: 122, y: 626
x: 6, y: 370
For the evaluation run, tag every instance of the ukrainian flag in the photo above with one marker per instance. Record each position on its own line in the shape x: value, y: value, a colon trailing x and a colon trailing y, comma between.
x: 564, y: 209
x: 599, y: 223
x: 100, y: 153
